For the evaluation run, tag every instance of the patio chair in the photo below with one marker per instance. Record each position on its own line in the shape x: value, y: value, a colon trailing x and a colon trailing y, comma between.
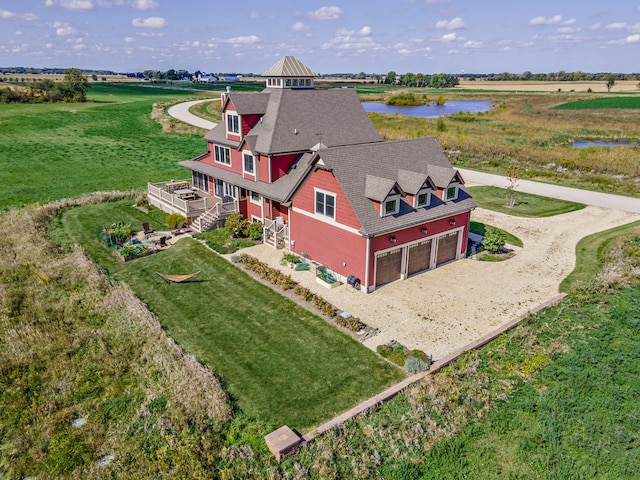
x: 147, y: 229
x: 178, y: 229
x: 163, y: 241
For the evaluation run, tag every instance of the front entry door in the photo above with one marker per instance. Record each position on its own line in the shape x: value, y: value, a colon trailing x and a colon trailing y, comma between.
x: 230, y: 192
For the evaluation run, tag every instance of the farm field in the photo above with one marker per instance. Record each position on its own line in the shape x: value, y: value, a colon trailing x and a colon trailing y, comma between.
x: 553, y: 398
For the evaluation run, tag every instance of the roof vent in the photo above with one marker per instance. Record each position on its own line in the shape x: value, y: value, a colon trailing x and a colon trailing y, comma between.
x: 228, y: 88
x: 295, y: 131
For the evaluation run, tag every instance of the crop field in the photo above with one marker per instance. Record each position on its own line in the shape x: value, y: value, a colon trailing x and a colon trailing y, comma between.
x: 91, y: 385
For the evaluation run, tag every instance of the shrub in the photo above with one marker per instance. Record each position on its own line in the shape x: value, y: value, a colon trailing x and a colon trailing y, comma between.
x: 174, y: 219
x: 236, y: 225
x: 141, y: 201
x: 291, y: 258
x: 254, y: 230
x: 415, y: 365
x: 494, y: 239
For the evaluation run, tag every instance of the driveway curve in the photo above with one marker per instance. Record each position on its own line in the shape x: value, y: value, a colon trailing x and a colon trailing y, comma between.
x: 181, y: 112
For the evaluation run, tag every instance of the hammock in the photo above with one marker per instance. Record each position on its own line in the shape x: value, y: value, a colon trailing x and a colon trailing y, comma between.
x: 178, y: 278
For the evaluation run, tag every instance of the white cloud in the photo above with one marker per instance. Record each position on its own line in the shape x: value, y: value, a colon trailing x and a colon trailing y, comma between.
x: 571, y: 21
x: 65, y: 31
x: 326, y: 13
x: 71, y: 4
x: 545, y: 21
x: 129, y: 40
x: 145, y: 4
x: 616, y: 27
x: 365, y: 31
x: 299, y: 27
x: 150, y: 22
x: 631, y: 39
x: 596, y: 26
x: 18, y: 33
x: 473, y: 44
x: 451, y: 37
x: 25, y: 16
x: 568, y: 30
x: 246, y: 40
x: 454, y: 24
x: 352, y: 41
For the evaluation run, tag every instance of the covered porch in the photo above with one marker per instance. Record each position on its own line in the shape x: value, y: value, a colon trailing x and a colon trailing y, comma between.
x: 202, y: 210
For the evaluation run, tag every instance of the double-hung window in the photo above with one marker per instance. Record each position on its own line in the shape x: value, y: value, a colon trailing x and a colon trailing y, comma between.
x: 422, y: 199
x: 249, y: 163
x: 326, y: 204
x: 451, y: 193
x: 233, y: 123
x: 222, y: 155
x: 391, y: 206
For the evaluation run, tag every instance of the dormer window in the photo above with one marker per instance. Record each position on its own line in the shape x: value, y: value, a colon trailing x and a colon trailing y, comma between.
x: 391, y: 206
x: 422, y: 199
x: 451, y: 193
x: 233, y: 123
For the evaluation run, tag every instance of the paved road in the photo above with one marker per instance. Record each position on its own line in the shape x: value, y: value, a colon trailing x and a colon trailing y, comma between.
x: 606, y: 200
x: 181, y: 112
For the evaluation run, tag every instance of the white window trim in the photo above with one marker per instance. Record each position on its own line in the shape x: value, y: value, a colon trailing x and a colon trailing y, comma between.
x: 223, y: 149
x: 255, y: 202
x: 422, y: 192
x: 383, y: 205
x: 335, y: 204
x: 256, y: 219
x: 445, y: 196
x: 233, y: 114
x: 249, y: 154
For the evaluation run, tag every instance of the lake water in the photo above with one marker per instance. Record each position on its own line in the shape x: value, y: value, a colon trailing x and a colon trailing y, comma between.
x: 602, y: 143
x: 431, y: 110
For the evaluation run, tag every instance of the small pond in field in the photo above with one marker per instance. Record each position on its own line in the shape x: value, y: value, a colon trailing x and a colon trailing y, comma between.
x: 602, y: 143
x: 431, y: 110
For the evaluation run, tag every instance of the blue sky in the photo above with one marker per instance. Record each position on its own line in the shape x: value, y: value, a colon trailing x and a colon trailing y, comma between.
x: 330, y: 36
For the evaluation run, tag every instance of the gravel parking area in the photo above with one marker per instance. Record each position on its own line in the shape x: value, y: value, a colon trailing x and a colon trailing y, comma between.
x: 447, y: 308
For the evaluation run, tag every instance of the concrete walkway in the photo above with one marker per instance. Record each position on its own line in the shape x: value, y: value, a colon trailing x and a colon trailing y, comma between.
x: 182, y: 113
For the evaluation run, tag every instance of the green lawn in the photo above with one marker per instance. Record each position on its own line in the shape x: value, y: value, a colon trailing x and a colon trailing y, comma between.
x: 527, y: 205
x: 63, y: 150
x: 597, y: 103
x: 590, y: 256
x: 479, y: 228
x: 279, y: 363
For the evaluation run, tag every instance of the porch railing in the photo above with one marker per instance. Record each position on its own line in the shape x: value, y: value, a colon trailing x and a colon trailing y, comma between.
x: 275, y: 233
x: 163, y: 192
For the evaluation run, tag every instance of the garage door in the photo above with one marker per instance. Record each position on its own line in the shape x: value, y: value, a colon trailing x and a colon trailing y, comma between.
x: 419, y: 257
x: 388, y: 266
x: 447, y: 248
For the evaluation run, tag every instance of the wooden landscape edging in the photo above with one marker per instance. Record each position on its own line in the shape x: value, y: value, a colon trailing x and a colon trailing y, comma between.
x: 284, y: 441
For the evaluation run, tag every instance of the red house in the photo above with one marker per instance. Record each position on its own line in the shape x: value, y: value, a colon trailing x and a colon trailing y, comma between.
x: 310, y: 165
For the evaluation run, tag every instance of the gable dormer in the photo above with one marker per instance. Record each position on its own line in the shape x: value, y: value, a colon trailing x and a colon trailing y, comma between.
x: 450, y: 192
x: 385, y: 194
x: 418, y: 187
x: 289, y: 72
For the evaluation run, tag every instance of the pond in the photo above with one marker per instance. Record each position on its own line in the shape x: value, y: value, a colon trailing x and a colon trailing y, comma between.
x: 431, y: 110
x: 602, y: 143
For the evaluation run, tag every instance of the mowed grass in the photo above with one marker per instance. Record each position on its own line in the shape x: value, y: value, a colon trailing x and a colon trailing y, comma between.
x: 64, y: 150
x: 279, y: 363
x: 527, y: 205
x: 479, y: 228
x: 591, y: 254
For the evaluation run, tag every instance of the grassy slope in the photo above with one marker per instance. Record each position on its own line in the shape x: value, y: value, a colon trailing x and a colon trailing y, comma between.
x: 598, y: 103
x: 281, y: 364
x: 53, y: 151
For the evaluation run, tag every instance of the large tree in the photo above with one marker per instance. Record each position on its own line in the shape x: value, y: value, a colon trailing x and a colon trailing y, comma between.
x: 75, y: 85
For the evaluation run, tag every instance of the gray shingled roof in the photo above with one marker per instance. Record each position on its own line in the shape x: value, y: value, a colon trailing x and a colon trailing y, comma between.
x: 289, y: 67
x: 295, y: 120
x: 377, y: 188
x: 249, y: 103
x: 352, y: 164
x: 280, y: 190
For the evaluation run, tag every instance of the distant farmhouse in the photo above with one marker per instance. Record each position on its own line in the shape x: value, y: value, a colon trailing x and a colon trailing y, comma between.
x: 312, y: 168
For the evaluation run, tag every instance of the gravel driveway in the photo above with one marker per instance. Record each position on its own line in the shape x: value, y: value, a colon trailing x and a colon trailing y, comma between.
x: 445, y: 309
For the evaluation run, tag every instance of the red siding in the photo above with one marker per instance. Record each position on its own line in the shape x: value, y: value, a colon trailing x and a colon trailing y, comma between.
x: 242, y: 207
x: 329, y: 245
x: 411, y: 234
x: 280, y: 165
x: 324, y: 180
x: 248, y: 122
x: 263, y: 169
x: 253, y: 209
x: 280, y: 211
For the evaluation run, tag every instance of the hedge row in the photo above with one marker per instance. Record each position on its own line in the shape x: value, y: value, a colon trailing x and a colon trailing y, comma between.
x: 284, y: 281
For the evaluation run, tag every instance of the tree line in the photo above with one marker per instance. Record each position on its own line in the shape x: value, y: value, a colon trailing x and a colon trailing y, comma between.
x: 72, y: 89
x: 560, y: 76
x: 438, y: 80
